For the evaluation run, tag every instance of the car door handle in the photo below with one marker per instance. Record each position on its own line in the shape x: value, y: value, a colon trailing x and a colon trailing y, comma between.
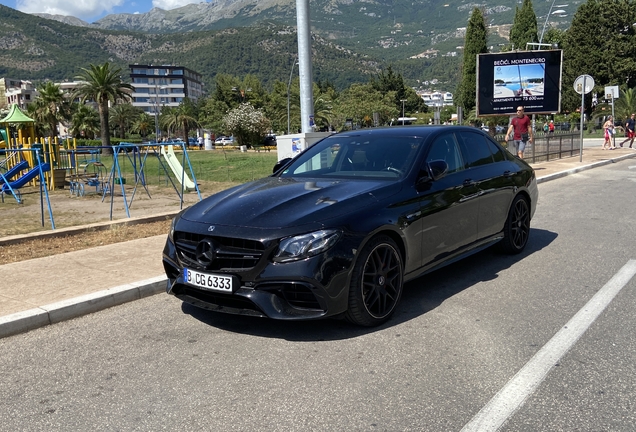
x: 469, y: 182
x: 508, y: 173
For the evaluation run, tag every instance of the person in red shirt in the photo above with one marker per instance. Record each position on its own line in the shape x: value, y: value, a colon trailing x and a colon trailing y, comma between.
x: 520, y: 130
x: 551, y: 127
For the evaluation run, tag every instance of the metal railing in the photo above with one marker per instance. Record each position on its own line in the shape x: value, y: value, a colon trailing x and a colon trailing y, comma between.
x: 547, y: 147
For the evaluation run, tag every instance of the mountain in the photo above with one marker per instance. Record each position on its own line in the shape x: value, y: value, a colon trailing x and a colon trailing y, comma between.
x: 34, y: 48
x: 352, y: 40
x: 390, y: 29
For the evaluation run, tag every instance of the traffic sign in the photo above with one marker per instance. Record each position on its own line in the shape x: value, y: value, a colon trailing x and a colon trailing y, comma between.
x: 611, y: 92
x: 583, y: 81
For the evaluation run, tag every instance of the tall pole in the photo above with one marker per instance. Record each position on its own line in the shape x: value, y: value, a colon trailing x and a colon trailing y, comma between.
x: 403, y: 101
x: 304, y: 66
x: 288, y: 87
x: 156, y: 113
x: 546, y: 22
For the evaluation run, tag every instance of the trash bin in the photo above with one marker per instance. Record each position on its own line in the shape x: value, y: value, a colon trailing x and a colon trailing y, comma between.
x: 243, y: 148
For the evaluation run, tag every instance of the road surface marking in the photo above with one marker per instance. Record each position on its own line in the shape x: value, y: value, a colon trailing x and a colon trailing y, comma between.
x: 512, y: 396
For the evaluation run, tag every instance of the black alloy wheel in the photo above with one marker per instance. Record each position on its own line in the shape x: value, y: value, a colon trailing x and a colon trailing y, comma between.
x: 517, y: 228
x: 376, y: 283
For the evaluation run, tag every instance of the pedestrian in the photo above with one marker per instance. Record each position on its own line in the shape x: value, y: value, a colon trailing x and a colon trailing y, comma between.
x: 608, y: 129
x: 520, y: 130
x: 201, y: 142
x: 551, y: 127
x: 629, y: 130
x: 546, y: 128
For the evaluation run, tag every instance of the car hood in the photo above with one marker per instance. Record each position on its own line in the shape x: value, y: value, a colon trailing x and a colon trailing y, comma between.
x: 275, y: 202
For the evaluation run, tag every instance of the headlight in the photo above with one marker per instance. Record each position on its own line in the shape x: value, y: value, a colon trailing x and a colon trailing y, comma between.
x: 306, y: 245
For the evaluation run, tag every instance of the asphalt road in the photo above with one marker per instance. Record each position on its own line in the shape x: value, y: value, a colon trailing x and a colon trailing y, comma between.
x: 545, y: 341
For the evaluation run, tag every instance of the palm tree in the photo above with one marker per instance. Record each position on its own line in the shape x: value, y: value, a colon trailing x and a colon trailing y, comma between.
x: 85, y: 122
x: 143, y: 124
x: 103, y: 84
x: 182, y: 118
x: 48, y: 106
x: 123, y: 115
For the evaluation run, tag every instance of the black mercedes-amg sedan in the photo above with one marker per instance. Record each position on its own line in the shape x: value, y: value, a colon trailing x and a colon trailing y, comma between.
x: 340, y: 228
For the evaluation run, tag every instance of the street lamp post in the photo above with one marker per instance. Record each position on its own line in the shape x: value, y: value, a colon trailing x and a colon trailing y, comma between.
x: 288, y: 87
x: 403, y: 101
x: 546, y: 20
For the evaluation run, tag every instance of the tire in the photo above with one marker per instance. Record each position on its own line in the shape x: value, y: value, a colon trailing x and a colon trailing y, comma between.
x: 376, y: 283
x: 517, y: 227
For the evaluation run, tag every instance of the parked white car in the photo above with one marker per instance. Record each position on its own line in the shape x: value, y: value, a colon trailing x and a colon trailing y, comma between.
x: 224, y: 140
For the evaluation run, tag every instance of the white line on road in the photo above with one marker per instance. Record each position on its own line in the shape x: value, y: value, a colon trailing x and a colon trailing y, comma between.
x: 503, y: 405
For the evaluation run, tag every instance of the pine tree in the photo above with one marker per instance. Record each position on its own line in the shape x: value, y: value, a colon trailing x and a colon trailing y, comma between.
x: 524, y: 27
x: 475, y: 44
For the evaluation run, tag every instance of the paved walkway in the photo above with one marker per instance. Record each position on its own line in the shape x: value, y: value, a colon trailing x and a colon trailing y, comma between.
x: 44, y: 291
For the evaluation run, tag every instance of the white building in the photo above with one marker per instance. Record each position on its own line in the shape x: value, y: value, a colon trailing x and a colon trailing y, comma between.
x: 14, y: 91
x: 166, y: 85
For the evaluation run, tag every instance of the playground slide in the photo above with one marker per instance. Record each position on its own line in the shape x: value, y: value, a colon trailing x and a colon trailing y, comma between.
x: 176, y: 167
x: 14, y: 171
x: 30, y: 175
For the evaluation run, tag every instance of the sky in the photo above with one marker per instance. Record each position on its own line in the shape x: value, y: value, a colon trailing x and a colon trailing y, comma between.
x: 92, y: 10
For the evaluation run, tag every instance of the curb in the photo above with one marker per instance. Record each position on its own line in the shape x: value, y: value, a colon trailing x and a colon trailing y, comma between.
x: 583, y: 168
x: 98, y: 226
x: 32, y: 319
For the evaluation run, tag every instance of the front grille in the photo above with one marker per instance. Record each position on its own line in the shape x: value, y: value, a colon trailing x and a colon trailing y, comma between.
x: 223, y: 300
x: 296, y: 294
x: 231, y: 254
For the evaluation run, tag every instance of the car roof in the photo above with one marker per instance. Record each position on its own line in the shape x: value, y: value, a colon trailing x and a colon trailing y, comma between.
x: 423, y: 130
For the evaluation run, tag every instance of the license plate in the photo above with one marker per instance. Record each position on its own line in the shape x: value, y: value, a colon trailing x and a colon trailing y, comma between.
x: 210, y: 282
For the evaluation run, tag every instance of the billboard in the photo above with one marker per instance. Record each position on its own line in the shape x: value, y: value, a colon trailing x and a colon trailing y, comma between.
x: 531, y: 79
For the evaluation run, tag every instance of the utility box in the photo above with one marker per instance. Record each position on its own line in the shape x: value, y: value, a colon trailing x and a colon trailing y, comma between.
x: 291, y: 145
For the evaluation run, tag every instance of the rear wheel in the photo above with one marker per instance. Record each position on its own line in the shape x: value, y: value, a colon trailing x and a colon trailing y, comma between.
x: 376, y: 283
x: 517, y: 228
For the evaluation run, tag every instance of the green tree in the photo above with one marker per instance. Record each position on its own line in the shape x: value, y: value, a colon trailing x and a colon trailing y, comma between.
x: 143, y: 124
x: 122, y: 116
x: 601, y: 43
x: 85, y: 122
x: 211, y: 114
x: 359, y: 102
x: 475, y: 44
x: 391, y: 81
x: 49, y: 106
x: 180, y: 119
x: 524, y: 27
x: 103, y: 84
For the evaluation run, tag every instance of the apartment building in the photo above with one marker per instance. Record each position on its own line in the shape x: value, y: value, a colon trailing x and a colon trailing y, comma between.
x: 15, y: 91
x: 165, y: 85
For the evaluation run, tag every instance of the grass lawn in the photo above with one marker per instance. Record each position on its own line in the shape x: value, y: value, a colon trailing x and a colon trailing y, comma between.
x: 219, y: 166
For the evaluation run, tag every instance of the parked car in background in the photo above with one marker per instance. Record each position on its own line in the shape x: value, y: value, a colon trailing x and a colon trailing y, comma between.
x: 224, y: 140
x: 270, y: 140
x: 339, y: 230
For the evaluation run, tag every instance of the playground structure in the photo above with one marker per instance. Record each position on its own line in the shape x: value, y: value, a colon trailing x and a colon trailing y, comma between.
x: 137, y: 155
x: 49, y: 163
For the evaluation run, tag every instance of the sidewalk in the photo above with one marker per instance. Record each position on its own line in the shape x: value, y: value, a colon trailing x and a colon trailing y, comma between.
x: 48, y: 290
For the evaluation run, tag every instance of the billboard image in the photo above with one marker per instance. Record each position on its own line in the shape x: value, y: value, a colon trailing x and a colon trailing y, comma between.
x: 528, y: 78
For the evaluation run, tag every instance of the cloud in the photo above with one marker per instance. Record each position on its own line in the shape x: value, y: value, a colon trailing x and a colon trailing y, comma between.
x: 173, y: 4
x: 83, y: 9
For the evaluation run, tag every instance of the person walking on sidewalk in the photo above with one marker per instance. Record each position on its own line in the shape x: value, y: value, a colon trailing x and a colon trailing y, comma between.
x: 551, y: 127
x: 629, y: 131
x: 520, y: 130
x: 608, y: 128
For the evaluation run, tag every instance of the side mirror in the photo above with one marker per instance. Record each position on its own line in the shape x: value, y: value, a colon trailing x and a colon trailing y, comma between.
x: 280, y: 164
x: 438, y: 169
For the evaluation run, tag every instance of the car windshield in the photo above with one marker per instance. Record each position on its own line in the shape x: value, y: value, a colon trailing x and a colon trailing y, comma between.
x: 357, y: 157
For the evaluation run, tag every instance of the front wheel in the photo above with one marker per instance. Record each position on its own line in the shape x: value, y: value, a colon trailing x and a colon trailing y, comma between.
x: 376, y: 283
x: 517, y: 228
